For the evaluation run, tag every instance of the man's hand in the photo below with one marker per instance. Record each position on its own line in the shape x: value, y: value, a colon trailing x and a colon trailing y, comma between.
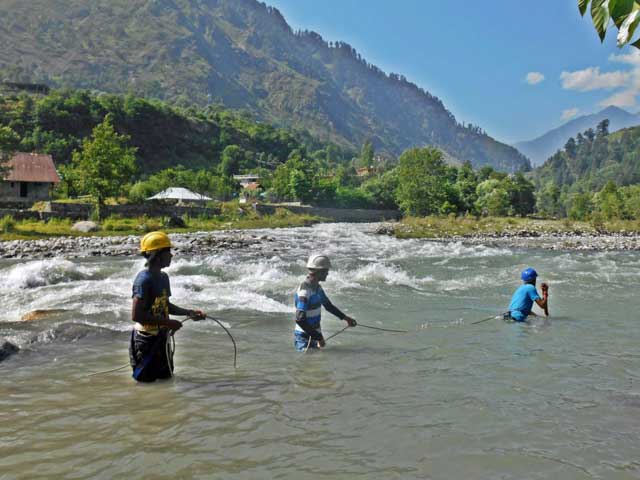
x: 174, y: 325
x: 350, y: 321
x: 321, y: 343
x: 197, y: 315
x: 545, y: 288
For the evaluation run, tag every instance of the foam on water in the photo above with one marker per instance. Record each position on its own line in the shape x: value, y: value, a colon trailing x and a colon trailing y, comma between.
x: 38, y: 273
x: 388, y: 274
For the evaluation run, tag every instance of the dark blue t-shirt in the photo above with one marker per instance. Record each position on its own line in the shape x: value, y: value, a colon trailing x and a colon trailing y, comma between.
x: 522, y: 302
x: 154, y: 290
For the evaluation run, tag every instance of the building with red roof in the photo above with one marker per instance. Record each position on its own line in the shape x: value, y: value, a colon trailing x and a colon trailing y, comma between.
x: 28, y: 177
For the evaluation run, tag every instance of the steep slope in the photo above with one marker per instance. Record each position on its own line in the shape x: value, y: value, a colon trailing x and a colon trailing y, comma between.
x: 595, y: 160
x: 541, y: 148
x: 240, y: 53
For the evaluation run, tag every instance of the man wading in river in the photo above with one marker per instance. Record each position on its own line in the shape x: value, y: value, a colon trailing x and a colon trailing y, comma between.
x: 309, y: 300
x: 525, y: 295
x: 150, y: 352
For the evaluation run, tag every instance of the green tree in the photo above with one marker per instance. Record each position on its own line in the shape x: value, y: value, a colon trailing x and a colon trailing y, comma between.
x: 366, y: 155
x: 581, y: 206
x: 9, y: 141
x: 105, y: 163
x: 422, y: 185
x: 610, y: 202
x: 232, y: 156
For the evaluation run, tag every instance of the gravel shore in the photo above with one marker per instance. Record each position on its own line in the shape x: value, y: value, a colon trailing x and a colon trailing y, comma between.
x: 575, y: 240
x: 212, y: 242
x: 74, y: 247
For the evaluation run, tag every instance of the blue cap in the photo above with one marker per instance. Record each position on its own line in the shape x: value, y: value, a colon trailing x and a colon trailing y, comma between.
x: 528, y: 274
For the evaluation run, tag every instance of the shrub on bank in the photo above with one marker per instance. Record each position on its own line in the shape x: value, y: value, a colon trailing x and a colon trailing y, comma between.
x: 7, y: 224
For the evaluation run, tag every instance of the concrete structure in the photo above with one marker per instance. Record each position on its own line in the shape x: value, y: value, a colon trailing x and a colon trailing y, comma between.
x: 30, y: 177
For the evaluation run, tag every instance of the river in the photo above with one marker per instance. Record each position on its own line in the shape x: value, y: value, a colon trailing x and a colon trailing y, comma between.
x: 557, y: 398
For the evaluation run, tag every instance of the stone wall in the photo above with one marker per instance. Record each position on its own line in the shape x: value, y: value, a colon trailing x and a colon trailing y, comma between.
x: 35, y: 191
x: 80, y: 211
x: 356, y: 215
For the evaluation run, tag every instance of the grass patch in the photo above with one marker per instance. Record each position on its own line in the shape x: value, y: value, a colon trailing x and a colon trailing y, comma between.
x: 232, y: 218
x: 445, y: 227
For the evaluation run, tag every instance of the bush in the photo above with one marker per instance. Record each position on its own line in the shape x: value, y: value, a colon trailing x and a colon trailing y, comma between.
x: 7, y: 224
x: 116, y: 224
x: 149, y: 225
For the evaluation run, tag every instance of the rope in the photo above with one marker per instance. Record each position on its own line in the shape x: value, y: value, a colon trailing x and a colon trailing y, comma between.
x: 336, y: 334
x: 235, y: 348
x: 382, y: 329
x: 109, y: 371
x: 492, y: 317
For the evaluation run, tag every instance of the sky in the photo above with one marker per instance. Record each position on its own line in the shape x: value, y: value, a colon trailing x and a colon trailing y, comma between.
x: 515, y: 68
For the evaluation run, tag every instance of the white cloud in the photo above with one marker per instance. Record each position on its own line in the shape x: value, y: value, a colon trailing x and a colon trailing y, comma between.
x: 533, y: 78
x: 632, y: 58
x: 570, y: 113
x: 625, y: 82
x: 626, y: 98
x: 591, y: 79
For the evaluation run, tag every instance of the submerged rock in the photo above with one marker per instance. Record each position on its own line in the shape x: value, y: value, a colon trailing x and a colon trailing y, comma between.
x: 7, y: 349
x: 42, y: 314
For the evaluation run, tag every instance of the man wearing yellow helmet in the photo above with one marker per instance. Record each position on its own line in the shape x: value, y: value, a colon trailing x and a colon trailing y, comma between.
x: 150, y: 356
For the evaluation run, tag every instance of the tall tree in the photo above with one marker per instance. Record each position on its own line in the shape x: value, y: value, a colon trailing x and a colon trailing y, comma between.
x: 422, y: 184
x: 105, y: 163
x: 366, y: 155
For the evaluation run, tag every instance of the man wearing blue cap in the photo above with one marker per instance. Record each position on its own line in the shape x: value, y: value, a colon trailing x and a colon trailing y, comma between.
x: 525, y: 295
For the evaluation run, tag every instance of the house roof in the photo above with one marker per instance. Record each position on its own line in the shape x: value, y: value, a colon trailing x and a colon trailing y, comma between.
x: 31, y: 167
x: 252, y: 186
x: 178, y: 193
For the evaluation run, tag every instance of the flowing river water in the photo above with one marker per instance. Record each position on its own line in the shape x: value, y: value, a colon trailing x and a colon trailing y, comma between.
x: 449, y: 400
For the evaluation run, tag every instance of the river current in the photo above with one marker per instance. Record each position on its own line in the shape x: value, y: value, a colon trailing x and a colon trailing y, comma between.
x: 556, y: 398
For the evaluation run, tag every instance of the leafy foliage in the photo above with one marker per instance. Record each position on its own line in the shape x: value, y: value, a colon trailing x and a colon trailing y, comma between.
x: 105, y: 162
x: 624, y: 13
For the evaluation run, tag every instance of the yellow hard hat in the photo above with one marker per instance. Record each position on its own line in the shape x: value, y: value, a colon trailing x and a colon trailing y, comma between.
x: 153, y: 241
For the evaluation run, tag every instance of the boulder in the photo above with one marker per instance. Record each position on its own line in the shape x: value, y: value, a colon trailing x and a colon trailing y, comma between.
x: 175, y: 222
x: 42, y: 314
x: 7, y: 349
x: 85, y: 226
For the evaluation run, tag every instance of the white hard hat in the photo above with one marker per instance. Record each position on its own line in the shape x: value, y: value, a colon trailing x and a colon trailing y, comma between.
x: 317, y: 261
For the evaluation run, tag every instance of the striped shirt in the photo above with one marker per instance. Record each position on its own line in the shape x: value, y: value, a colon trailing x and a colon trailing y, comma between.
x: 310, y: 298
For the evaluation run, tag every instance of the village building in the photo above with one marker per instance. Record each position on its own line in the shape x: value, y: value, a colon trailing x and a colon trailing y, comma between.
x: 28, y: 178
x: 245, y: 180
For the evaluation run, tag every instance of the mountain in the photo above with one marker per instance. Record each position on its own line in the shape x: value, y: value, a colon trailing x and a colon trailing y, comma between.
x: 240, y: 53
x: 541, y: 148
x: 594, y: 159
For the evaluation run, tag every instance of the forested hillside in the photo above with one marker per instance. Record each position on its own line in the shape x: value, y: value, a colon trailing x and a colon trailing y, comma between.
x: 593, y: 170
x: 240, y: 53
x: 164, y: 136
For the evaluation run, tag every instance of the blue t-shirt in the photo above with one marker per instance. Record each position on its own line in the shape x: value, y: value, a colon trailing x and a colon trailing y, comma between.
x: 522, y: 302
x: 154, y: 291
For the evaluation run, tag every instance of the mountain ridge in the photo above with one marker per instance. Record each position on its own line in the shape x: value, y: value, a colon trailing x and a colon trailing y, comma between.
x: 541, y: 148
x: 240, y: 53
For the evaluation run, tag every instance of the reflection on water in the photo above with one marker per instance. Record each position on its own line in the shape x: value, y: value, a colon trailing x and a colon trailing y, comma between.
x: 555, y: 398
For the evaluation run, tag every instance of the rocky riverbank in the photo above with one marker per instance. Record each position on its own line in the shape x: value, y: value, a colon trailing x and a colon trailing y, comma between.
x: 74, y: 247
x: 533, y: 238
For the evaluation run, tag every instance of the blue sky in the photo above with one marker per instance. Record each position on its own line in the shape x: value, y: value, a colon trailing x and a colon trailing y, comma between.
x: 477, y: 55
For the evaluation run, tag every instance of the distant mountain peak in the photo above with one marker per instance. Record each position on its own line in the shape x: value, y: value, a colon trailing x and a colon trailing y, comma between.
x: 540, y: 149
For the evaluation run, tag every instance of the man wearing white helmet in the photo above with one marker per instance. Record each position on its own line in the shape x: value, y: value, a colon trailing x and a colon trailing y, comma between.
x: 309, y: 300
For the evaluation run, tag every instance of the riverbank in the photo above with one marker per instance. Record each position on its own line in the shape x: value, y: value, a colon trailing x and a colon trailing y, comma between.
x: 230, y: 219
x: 521, y: 233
